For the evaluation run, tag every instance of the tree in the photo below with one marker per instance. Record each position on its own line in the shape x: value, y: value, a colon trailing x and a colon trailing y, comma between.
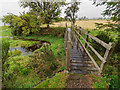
x: 112, y: 9
x: 48, y: 10
x: 24, y: 24
x: 72, y: 10
x: 8, y: 19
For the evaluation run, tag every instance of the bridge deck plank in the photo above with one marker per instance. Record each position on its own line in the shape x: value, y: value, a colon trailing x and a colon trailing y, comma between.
x: 79, y: 63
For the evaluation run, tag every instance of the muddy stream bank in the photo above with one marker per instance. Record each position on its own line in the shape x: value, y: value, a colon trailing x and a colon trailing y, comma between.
x: 28, y: 50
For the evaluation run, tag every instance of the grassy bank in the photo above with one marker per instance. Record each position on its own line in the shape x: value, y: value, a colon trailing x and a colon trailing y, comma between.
x: 27, y: 71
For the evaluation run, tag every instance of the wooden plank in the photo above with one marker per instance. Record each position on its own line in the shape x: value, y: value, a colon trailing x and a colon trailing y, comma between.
x: 98, y: 55
x: 96, y: 65
x: 107, y: 46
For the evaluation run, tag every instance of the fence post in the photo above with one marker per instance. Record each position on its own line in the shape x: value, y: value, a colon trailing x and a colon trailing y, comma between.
x: 107, y: 55
x: 87, y: 39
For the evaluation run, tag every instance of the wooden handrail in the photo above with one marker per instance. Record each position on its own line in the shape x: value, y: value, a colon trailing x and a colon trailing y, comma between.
x: 68, y: 45
x: 96, y: 65
x: 99, y: 56
x: 77, y: 35
x: 107, y: 46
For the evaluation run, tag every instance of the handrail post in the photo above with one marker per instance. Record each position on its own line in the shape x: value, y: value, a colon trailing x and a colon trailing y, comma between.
x: 68, y: 49
x: 107, y: 55
x: 66, y: 26
x: 68, y: 54
x: 85, y: 44
x: 87, y: 39
x: 77, y: 40
x: 76, y: 27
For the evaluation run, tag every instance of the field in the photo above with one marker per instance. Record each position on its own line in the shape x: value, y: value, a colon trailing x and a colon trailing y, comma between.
x: 86, y: 24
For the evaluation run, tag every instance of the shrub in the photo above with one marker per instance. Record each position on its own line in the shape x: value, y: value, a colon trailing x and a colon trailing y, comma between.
x: 104, y: 36
x: 44, y: 61
x: 115, y: 81
x: 117, y: 47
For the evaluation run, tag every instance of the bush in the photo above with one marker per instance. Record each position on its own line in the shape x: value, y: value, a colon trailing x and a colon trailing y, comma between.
x: 104, y: 36
x: 23, y: 25
x: 44, y: 61
x: 115, y: 81
x: 117, y: 47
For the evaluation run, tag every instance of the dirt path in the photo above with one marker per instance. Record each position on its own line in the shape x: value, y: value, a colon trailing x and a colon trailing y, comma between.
x: 80, y: 81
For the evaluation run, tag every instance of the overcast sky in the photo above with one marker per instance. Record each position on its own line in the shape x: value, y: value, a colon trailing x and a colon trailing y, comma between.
x: 86, y: 8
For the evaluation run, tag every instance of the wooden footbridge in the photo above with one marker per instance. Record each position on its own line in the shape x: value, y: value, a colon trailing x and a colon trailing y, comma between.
x: 78, y: 58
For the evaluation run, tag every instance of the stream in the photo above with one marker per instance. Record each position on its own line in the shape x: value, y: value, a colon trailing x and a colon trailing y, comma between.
x: 29, y: 50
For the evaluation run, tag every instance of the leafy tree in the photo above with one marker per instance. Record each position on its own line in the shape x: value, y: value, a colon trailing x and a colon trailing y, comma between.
x: 48, y: 10
x: 112, y: 10
x: 8, y: 19
x: 24, y: 24
x: 72, y: 10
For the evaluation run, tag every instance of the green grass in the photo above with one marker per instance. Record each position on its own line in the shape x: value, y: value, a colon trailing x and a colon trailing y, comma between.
x: 58, y: 81
x: 3, y: 27
x: 14, y: 53
x: 22, y: 76
x: 7, y: 32
x: 56, y: 43
x: 21, y: 43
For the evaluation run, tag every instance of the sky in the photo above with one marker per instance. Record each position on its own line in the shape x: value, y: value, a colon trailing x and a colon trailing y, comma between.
x: 86, y: 8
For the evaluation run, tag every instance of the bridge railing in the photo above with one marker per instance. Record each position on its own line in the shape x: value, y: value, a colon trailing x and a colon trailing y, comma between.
x: 109, y: 47
x: 68, y: 46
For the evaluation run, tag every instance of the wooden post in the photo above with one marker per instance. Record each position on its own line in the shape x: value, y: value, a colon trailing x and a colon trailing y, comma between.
x: 68, y: 50
x: 85, y: 44
x: 107, y: 55
x: 76, y: 27
x: 86, y: 40
x: 68, y: 54
x: 79, y: 38
x: 66, y: 26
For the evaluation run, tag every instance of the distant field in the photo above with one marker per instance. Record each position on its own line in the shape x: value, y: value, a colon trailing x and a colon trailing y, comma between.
x: 86, y: 24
